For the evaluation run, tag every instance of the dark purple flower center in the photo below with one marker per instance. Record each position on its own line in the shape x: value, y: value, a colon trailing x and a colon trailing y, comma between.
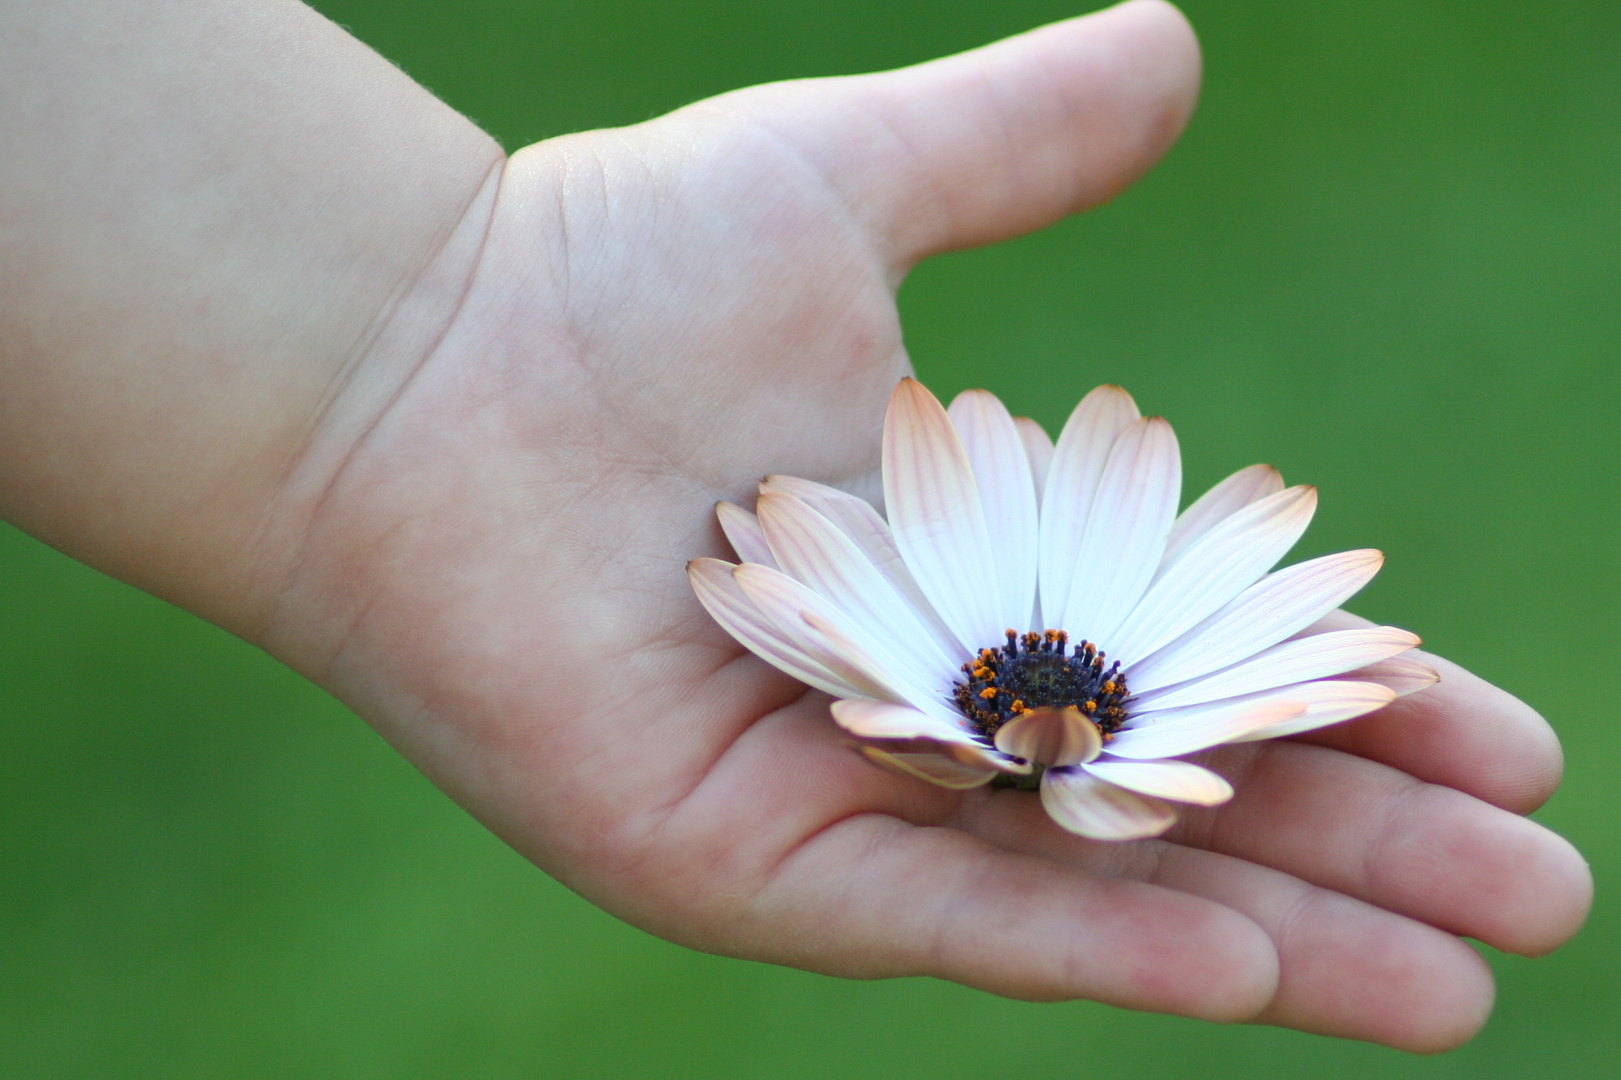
x: 1034, y: 672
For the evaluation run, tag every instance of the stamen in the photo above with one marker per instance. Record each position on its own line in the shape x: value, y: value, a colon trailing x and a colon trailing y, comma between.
x: 1032, y: 671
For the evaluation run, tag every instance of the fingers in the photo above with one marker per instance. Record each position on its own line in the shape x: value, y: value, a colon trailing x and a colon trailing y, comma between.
x: 996, y: 142
x: 1345, y: 967
x: 796, y: 850
x: 872, y: 896
x: 1422, y: 850
x: 1462, y: 732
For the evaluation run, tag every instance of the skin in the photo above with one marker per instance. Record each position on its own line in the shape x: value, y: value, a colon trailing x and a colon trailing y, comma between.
x: 445, y: 446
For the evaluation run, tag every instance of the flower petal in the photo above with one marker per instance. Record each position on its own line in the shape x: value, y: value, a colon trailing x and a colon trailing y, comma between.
x: 1125, y: 531
x: 1330, y: 701
x: 869, y: 532
x: 817, y: 627
x: 1272, y: 609
x: 855, y: 652
x: 935, y: 768
x: 1183, y: 731
x: 1007, y: 495
x: 886, y: 720
x: 1181, y: 781
x: 1050, y: 737
x: 1402, y: 674
x: 1038, y: 447
x: 1066, y: 500
x: 737, y: 614
x: 1088, y: 806
x: 742, y: 531
x: 1220, y: 502
x: 1219, y: 565
x: 935, y: 515
x: 1294, y: 661
x: 814, y: 551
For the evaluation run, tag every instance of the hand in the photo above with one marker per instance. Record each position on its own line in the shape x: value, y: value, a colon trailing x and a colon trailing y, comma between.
x: 665, y: 313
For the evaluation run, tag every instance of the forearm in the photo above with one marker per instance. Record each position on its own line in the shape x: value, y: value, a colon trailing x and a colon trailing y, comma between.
x: 228, y: 233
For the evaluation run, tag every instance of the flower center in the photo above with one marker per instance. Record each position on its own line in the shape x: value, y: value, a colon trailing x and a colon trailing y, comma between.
x: 1034, y: 672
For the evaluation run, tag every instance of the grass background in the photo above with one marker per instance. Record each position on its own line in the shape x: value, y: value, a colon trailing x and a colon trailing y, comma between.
x: 1385, y: 258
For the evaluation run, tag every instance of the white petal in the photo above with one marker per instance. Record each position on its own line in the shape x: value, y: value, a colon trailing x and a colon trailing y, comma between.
x: 1183, y: 731
x: 885, y: 720
x: 855, y: 652
x: 1007, y: 495
x: 1294, y: 661
x: 1220, y: 502
x: 1272, y: 609
x: 722, y: 598
x: 833, y: 639
x: 1125, y: 532
x: 1083, y: 804
x: 742, y: 531
x: 869, y: 532
x: 1402, y: 674
x: 1181, y: 781
x: 1038, y: 447
x: 1066, y: 500
x: 935, y: 768
x: 1330, y: 701
x: 813, y: 550
x: 935, y: 516
x: 1222, y: 563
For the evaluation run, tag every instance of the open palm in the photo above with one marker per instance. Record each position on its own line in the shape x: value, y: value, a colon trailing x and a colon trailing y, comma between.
x: 666, y: 313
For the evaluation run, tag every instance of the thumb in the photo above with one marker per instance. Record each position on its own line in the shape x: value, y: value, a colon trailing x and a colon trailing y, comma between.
x: 995, y: 142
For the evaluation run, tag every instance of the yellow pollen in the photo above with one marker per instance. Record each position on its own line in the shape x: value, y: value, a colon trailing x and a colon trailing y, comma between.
x: 1109, y: 687
x: 1089, y: 707
x: 988, y: 693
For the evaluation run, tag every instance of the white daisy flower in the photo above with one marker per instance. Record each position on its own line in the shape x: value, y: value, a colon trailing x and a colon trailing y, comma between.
x: 1040, y: 615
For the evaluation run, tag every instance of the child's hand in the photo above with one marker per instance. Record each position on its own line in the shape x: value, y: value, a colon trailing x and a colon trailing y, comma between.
x: 466, y: 508
x: 665, y: 313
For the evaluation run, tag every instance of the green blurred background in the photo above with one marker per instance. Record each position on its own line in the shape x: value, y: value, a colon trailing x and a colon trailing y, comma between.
x: 1385, y: 258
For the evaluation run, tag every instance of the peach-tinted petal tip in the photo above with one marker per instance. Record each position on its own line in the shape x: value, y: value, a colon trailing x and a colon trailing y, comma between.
x: 910, y: 386
x: 1402, y: 674
x: 1082, y: 804
x: 1181, y: 781
x: 887, y: 720
x: 934, y: 768
x: 1050, y: 737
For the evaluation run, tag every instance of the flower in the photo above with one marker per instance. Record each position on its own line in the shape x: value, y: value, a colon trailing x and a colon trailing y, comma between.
x: 1041, y: 615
